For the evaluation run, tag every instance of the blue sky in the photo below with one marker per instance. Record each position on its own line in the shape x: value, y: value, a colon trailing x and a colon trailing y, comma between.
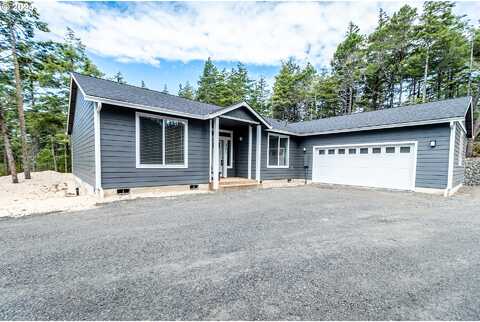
x: 167, y: 42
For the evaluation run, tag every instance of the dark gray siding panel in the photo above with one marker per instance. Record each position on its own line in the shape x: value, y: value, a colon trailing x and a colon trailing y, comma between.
x: 242, y: 113
x: 118, y: 154
x: 432, y: 163
x: 459, y: 169
x: 83, y: 141
x: 295, y: 168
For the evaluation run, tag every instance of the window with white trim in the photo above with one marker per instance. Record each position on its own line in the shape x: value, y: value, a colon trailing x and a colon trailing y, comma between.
x: 161, y: 142
x: 278, y: 151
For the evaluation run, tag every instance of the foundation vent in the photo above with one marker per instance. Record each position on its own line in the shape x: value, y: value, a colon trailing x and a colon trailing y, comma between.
x: 193, y: 186
x: 123, y: 191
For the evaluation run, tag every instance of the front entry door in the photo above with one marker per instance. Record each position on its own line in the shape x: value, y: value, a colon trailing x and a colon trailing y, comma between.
x: 223, y: 151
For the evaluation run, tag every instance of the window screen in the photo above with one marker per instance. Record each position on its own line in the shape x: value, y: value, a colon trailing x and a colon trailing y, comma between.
x: 363, y: 150
x: 282, y: 153
x: 352, y: 151
x: 331, y: 151
x: 161, y: 141
x: 341, y: 151
x: 151, y: 140
x: 277, y: 151
x: 390, y: 149
x: 376, y: 150
x: 273, y: 150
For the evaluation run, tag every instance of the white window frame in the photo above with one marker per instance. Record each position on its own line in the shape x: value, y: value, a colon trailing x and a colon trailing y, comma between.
x: 279, y: 136
x: 229, y: 166
x: 137, y: 142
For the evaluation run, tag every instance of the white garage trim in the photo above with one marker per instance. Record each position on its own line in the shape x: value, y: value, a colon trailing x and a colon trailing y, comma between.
x: 369, y: 144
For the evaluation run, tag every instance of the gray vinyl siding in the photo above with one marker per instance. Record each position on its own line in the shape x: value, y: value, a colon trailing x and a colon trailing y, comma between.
x: 83, y: 141
x: 459, y: 170
x: 295, y: 168
x: 432, y: 163
x: 118, y: 154
x: 242, y: 113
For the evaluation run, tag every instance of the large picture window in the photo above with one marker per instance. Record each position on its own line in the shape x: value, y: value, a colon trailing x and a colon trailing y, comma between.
x: 161, y: 142
x: 278, y: 151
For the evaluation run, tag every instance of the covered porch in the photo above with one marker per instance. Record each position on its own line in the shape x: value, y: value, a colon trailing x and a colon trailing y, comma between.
x: 234, y: 153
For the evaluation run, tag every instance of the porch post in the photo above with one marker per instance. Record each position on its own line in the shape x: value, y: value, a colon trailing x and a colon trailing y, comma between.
x: 216, y: 154
x: 258, y: 153
x: 249, y: 152
x: 210, y: 151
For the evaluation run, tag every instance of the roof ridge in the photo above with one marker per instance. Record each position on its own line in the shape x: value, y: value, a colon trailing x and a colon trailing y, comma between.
x: 379, y: 110
x: 148, y: 89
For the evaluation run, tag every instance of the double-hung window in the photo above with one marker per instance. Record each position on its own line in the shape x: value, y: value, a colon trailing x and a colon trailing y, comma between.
x: 278, y: 151
x: 161, y: 142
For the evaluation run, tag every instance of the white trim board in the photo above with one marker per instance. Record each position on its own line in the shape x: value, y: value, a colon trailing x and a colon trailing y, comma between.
x: 234, y: 107
x: 238, y: 119
x: 97, y: 107
x: 138, y: 165
x: 451, y: 155
x: 278, y: 152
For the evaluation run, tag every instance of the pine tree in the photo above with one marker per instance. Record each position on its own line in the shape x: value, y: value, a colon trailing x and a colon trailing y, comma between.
x: 186, y: 91
x: 118, y: 77
x: 283, y: 98
x: 347, y: 64
x: 208, y: 81
x: 259, y: 97
x: 18, y: 23
x: 165, y: 89
x: 142, y: 84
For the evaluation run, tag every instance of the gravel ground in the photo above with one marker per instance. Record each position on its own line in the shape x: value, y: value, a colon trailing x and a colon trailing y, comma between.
x: 305, y: 253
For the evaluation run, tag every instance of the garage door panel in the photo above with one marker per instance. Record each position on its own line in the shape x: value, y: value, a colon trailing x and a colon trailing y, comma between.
x: 384, y: 170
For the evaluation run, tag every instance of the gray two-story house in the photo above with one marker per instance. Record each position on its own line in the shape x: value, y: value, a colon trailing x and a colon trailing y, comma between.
x: 125, y: 137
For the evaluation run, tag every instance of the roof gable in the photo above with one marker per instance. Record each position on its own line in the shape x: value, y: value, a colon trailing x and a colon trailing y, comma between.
x: 123, y: 94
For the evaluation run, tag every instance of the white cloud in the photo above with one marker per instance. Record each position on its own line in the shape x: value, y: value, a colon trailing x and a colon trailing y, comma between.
x: 258, y: 33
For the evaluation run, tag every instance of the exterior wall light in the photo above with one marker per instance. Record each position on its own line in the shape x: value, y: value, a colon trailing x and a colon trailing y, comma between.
x: 433, y: 143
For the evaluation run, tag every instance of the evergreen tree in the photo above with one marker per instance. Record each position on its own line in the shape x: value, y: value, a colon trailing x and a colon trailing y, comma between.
x: 347, y: 64
x: 186, y: 91
x: 259, y: 97
x: 142, y: 84
x: 207, y: 83
x: 165, y: 89
x: 118, y: 77
x: 18, y: 23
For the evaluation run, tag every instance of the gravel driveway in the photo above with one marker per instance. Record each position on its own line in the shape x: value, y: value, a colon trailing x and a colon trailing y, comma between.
x: 305, y: 253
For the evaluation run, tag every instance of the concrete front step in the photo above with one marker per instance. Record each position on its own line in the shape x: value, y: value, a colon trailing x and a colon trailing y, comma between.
x: 238, y: 186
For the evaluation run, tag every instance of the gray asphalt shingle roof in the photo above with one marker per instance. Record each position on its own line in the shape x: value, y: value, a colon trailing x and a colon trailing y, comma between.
x: 102, y: 88
x: 106, y: 89
x: 432, y: 111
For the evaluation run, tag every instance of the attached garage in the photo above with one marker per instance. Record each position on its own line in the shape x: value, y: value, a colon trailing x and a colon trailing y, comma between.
x: 381, y: 164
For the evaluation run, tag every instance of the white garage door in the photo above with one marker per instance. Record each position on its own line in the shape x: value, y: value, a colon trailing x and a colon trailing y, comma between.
x: 372, y: 165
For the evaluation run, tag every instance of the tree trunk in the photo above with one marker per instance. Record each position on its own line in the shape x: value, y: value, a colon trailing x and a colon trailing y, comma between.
x: 53, y: 154
x: 8, y: 148
x: 21, y: 113
x: 400, y: 93
x: 5, y: 161
x: 425, y: 75
x: 65, y: 157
